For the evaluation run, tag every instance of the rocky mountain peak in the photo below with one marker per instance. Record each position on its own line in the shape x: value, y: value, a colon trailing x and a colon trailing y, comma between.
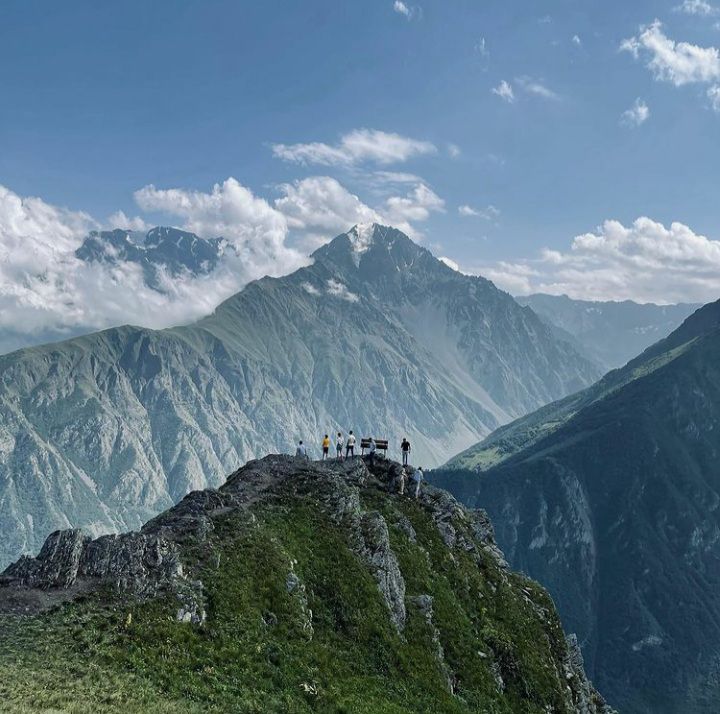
x: 318, y: 556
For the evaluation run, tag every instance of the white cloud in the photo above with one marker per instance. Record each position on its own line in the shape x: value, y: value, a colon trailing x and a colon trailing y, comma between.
x: 394, y: 177
x: 450, y: 263
x: 321, y: 208
x: 576, y: 40
x: 714, y: 96
x: 120, y: 220
x: 646, y: 262
x: 454, y: 150
x: 311, y: 289
x: 401, y: 8
x: 45, y: 287
x: 535, y: 87
x: 416, y: 205
x: 253, y: 227
x: 698, y: 7
x: 489, y: 213
x: 505, y: 91
x: 679, y: 63
x: 358, y: 146
x: 482, y: 49
x: 338, y: 289
x: 637, y: 115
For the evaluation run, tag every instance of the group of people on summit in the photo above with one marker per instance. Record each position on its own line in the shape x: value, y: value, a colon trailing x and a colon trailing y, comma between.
x: 348, y: 447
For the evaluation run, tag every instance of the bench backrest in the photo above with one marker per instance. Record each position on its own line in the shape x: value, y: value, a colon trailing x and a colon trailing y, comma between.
x: 381, y: 444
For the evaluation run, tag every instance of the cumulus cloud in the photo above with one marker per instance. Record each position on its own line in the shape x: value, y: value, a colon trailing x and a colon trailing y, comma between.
x: 416, y: 205
x: 356, y: 147
x: 505, y: 91
x: 340, y: 290
x: 576, y: 40
x: 321, y: 207
x: 489, y: 213
x: 646, y: 262
x: 45, y: 288
x: 679, y: 63
x: 310, y: 289
x: 450, y: 263
x: 637, y: 115
x: 698, y: 7
x: 120, y: 220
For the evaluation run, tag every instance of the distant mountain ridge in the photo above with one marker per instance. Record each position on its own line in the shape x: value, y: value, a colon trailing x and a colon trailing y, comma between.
x: 160, y: 249
x: 611, y: 499
x: 164, y: 254
x: 377, y: 335
x: 609, y: 333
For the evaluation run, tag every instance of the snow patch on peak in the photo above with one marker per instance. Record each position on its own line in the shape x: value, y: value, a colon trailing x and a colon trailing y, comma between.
x: 361, y: 238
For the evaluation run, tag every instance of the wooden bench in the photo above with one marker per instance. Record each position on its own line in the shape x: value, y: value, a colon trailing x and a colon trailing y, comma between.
x: 381, y: 444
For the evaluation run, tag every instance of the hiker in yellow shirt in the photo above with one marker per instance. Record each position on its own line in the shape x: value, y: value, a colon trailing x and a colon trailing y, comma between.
x: 326, y: 447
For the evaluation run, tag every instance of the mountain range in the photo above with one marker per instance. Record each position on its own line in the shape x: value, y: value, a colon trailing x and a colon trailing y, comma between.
x: 608, y: 333
x: 377, y: 335
x: 611, y: 499
x: 161, y: 250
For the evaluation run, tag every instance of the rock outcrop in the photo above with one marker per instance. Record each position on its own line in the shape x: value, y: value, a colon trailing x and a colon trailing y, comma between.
x: 429, y: 561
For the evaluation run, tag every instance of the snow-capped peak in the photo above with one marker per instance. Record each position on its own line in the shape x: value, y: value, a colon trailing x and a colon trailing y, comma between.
x: 361, y: 237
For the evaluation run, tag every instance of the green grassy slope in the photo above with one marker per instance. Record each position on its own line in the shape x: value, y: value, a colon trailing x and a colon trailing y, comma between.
x: 492, y: 644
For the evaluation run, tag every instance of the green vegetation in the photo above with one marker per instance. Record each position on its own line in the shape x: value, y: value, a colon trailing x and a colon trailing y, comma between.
x: 261, y: 650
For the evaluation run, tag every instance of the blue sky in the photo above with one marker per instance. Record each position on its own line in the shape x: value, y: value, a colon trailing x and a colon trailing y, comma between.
x: 100, y: 100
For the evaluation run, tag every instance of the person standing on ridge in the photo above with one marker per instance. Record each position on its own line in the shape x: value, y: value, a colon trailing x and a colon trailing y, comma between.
x: 350, y: 447
x: 405, y: 448
x: 417, y: 477
x: 339, y: 446
x: 325, y: 447
x: 301, y: 451
x: 371, y: 451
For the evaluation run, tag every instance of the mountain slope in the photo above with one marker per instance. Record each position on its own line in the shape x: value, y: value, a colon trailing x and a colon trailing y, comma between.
x: 610, y: 499
x: 377, y: 335
x: 609, y: 333
x: 296, y: 587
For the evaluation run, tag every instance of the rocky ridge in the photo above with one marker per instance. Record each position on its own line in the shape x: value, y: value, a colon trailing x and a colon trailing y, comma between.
x: 168, y: 556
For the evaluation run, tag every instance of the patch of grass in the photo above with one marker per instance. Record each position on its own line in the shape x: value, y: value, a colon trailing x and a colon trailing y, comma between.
x: 261, y: 651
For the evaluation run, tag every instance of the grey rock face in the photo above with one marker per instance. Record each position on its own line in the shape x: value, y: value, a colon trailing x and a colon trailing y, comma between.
x: 132, y: 562
x: 378, y: 554
x: 104, y: 431
x: 424, y: 604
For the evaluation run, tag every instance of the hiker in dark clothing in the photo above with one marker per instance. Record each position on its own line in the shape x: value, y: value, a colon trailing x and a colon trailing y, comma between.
x: 405, y: 448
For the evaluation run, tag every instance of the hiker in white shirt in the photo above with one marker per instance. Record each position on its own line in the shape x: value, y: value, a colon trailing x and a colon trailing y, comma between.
x: 339, y: 446
x: 350, y: 447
